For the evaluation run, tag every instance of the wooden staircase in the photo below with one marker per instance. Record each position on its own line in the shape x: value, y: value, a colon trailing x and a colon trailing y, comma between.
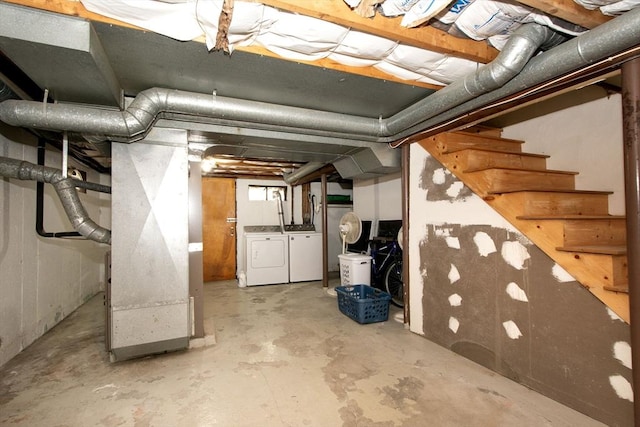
x: 573, y: 227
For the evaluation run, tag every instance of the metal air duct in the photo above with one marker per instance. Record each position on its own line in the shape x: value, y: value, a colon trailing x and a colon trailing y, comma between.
x: 302, y: 171
x: 136, y: 120
x: 66, y: 189
x: 496, y: 78
x: 521, y: 46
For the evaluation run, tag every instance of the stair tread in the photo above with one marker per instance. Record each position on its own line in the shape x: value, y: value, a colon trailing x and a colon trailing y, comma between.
x: 496, y: 138
x: 585, y: 192
x: 623, y: 289
x: 543, y: 171
x: 569, y: 217
x: 596, y: 249
x: 492, y: 150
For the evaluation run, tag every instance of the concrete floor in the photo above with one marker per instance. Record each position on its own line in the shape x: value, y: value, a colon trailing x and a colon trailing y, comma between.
x: 285, y: 356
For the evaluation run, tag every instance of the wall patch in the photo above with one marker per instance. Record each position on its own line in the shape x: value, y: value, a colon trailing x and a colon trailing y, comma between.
x: 439, y: 176
x: 561, y: 274
x: 455, y: 300
x: 512, y: 329
x: 453, y: 242
x: 454, y: 274
x: 622, y: 387
x: 516, y: 292
x: 454, y: 324
x: 484, y: 243
x: 622, y: 352
x: 515, y: 254
x: 613, y: 315
x: 455, y: 189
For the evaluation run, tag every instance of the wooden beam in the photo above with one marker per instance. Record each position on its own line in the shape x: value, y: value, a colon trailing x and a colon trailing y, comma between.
x: 569, y: 11
x: 429, y: 38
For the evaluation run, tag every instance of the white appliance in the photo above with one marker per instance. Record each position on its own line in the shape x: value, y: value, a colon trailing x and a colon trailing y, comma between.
x: 305, y: 257
x: 266, y: 257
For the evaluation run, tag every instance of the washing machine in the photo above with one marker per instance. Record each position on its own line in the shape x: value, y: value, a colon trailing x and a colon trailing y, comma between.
x: 266, y: 257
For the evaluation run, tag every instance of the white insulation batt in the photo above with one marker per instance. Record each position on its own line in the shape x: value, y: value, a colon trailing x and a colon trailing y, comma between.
x: 304, y: 38
x: 286, y: 34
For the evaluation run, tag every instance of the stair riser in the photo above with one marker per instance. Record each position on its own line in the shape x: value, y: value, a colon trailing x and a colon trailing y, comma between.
x: 451, y: 142
x: 469, y: 160
x: 541, y: 204
x: 595, y: 232
x: 590, y: 269
x: 566, y: 204
x: 503, y: 180
x: 484, y: 131
x: 612, y: 270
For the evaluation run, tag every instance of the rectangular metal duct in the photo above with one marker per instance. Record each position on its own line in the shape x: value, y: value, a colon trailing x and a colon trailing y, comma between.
x: 368, y: 163
x: 150, y: 246
x: 379, y: 159
x: 60, y: 53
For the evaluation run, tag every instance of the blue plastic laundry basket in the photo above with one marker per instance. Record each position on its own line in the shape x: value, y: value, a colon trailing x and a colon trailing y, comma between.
x: 363, y: 303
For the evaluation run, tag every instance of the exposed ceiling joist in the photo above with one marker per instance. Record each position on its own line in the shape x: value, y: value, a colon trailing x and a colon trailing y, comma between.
x: 338, y: 12
x: 335, y: 11
x: 429, y: 38
x: 569, y: 11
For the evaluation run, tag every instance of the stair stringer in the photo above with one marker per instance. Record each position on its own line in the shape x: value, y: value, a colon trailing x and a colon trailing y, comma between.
x: 585, y: 268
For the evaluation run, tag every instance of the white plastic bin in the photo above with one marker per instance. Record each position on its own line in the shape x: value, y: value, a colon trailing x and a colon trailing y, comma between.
x: 355, y: 269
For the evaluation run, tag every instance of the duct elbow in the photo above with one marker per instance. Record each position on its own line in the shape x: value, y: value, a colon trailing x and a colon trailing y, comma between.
x: 383, y: 130
x: 92, y: 231
x: 520, y: 48
x: 143, y: 111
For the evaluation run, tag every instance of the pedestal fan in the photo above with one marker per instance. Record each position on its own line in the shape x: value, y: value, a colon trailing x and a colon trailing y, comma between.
x: 350, y: 229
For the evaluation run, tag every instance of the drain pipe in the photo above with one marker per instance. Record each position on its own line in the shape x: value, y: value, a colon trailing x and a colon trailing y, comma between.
x: 280, y: 210
x: 66, y: 189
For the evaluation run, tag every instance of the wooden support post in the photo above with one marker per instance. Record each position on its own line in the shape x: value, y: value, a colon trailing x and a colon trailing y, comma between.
x: 404, y: 178
x: 325, y: 234
x: 631, y: 140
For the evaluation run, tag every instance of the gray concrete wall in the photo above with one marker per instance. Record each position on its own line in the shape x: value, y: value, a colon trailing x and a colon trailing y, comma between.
x: 483, y: 290
x: 42, y: 280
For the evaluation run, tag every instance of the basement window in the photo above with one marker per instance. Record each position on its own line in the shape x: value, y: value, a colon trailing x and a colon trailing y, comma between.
x: 263, y: 192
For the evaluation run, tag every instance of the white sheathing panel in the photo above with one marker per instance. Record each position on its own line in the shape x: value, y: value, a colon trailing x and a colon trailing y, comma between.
x: 42, y: 280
